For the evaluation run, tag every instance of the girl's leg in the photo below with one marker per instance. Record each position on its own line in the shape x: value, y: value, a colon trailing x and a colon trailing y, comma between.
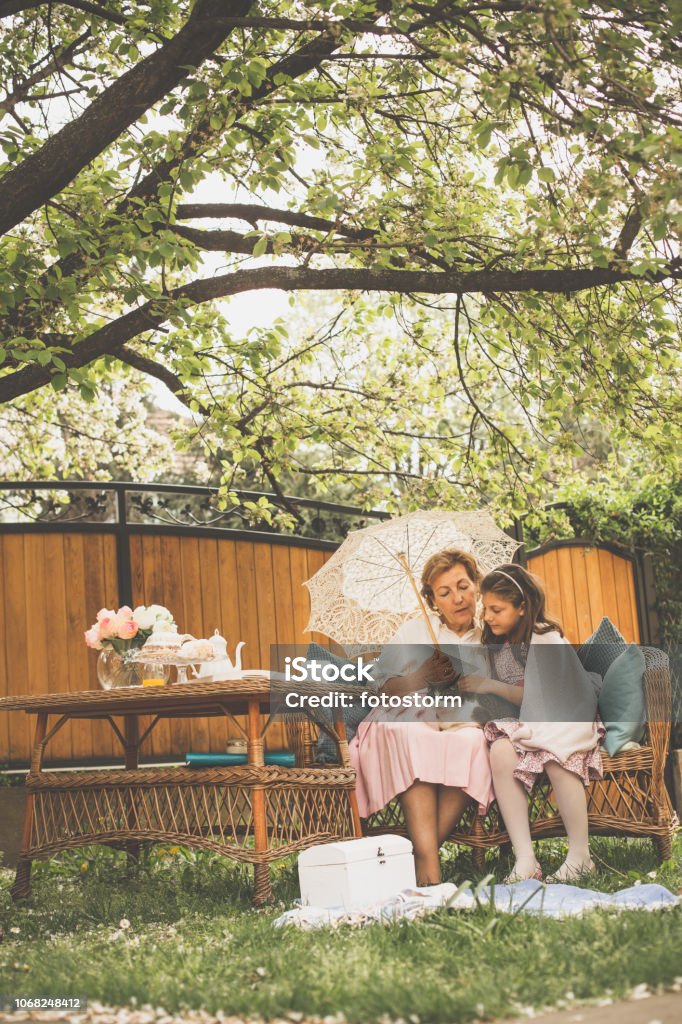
x: 513, y: 803
x: 452, y: 803
x: 570, y: 797
x: 420, y: 807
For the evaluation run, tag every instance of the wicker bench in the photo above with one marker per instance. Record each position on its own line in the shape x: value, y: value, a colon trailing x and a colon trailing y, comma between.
x: 630, y: 800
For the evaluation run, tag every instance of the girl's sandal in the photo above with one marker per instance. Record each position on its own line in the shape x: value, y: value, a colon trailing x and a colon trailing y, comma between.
x: 575, y: 875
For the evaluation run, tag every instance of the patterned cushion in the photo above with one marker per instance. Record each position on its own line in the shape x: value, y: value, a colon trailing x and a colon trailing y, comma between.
x: 621, y: 700
x: 326, y: 748
x: 599, y: 652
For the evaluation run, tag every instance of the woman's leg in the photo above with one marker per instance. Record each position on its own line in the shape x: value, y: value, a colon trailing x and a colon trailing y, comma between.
x: 420, y: 807
x: 570, y: 797
x: 513, y: 803
x: 452, y: 803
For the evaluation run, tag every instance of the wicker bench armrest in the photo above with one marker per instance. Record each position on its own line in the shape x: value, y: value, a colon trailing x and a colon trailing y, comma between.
x: 658, y: 697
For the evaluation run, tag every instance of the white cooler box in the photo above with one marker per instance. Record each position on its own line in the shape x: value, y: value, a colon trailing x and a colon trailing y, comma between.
x: 356, y: 872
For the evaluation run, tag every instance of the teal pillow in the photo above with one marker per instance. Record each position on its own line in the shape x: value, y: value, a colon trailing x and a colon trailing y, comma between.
x: 621, y: 700
x: 600, y: 650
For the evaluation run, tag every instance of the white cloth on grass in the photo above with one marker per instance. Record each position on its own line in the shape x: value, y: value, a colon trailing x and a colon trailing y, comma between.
x: 529, y: 897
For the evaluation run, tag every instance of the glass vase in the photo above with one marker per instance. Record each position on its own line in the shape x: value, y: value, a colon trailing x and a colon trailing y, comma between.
x: 114, y: 670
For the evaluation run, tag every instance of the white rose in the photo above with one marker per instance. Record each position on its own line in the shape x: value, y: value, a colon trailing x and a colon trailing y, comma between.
x: 144, y: 617
x: 163, y: 618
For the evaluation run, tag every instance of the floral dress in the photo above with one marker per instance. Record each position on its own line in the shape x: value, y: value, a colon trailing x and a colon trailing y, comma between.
x: 588, y: 765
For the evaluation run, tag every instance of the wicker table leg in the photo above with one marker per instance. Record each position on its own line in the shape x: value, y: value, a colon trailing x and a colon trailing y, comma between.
x: 664, y: 847
x: 261, y: 872
x: 132, y: 747
x: 21, y: 890
x: 478, y: 850
x: 262, y: 887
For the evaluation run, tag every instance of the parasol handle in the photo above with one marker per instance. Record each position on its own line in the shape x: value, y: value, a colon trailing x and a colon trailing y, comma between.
x: 403, y: 561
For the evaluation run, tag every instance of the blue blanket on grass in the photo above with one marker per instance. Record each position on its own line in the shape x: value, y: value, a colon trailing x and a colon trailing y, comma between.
x: 529, y: 897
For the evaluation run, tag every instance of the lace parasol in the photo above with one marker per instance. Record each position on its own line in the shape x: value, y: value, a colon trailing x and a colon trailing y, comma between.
x: 365, y: 590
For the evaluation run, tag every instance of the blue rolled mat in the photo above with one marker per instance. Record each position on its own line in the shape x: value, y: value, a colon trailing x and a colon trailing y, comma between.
x: 201, y: 760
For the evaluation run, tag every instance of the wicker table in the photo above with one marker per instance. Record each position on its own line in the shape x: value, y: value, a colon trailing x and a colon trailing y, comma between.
x: 254, y: 813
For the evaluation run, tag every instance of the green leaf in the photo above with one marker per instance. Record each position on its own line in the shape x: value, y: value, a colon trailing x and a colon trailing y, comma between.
x: 260, y: 246
x: 525, y: 174
x: 513, y: 172
x: 483, y: 132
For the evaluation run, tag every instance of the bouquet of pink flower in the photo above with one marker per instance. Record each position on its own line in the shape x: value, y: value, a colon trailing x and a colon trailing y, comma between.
x: 126, y: 628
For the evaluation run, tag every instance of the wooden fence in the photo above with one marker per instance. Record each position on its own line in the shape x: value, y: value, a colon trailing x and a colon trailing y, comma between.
x: 53, y: 583
x: 585, y: 583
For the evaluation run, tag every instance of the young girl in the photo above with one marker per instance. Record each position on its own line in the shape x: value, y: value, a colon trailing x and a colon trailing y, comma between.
x: 538, y: 670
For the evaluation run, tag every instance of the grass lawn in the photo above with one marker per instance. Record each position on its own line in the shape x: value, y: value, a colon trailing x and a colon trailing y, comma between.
x: 193, y: 941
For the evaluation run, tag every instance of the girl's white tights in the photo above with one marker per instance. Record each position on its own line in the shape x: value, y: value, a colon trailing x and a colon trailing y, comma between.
x: 513, y: 803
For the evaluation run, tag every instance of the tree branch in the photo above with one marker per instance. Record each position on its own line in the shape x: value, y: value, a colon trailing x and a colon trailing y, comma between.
x: 478, y: 411
x: 10, y: 7
x: 437, y: 13
x: 59, y: 60
x: 218, y: 241
x: 252, y: 213
x: 44, y: 173
x: 160, y: 372
x: 259, y: 443
x: 233, y: 242
x: 175, y: 385
x: 109, y: 339
x: 399, y: 474
x: 292, y: 66
x: 331, y: 25
x: 628, y: 233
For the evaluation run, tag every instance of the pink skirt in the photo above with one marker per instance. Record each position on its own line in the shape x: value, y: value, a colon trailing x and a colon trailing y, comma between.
x: 389, y: 756
x: 588, y: 765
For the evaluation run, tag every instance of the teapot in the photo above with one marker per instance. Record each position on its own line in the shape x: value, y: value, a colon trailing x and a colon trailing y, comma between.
x: 221, y: 667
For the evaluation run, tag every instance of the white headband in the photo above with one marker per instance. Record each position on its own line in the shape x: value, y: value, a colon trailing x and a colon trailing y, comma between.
x: 515, y: 582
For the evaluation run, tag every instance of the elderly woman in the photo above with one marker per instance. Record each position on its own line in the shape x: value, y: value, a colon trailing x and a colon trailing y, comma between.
x: 435, y: 772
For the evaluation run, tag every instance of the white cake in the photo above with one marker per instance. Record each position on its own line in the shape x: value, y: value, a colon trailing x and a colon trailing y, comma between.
x: 163, y: 643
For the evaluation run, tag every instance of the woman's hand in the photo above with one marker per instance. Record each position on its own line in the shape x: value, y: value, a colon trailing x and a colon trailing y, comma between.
x: 477, y: 684
x: 436, y: 671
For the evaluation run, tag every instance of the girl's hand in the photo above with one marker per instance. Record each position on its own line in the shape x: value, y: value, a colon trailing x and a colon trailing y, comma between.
x: 477, y: 684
